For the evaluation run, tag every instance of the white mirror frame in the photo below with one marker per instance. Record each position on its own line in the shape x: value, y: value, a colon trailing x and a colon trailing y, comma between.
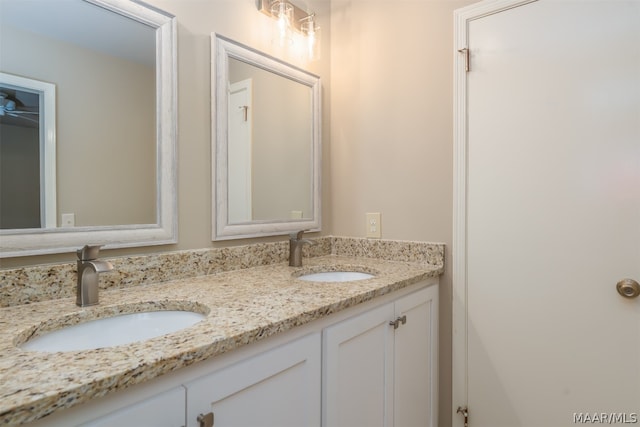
x: 221, y: 50
x: 14, y: 243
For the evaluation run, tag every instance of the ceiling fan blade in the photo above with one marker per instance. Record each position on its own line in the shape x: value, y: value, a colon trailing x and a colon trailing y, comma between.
x: 22, y: 112
x: 20, y: 116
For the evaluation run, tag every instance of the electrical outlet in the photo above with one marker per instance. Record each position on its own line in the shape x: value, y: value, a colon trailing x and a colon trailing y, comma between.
x: 68, y: 220
x: 374, y: 229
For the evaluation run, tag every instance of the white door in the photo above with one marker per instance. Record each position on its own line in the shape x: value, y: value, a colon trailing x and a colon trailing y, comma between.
x: 547, y: 213
x: 240, y: 151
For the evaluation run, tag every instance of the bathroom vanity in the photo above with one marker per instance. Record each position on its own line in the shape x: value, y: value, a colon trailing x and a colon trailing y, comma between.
x: 272, y: 350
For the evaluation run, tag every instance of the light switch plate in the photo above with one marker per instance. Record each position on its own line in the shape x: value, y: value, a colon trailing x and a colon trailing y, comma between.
x: 374, y: 229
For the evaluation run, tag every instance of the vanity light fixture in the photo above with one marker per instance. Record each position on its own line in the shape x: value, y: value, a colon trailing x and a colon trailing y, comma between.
x: 290, y: 18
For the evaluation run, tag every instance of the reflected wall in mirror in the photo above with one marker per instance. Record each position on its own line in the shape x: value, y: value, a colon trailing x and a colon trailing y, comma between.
x: 270, y: 146
x: 267, y: 147
x: 112, y: 64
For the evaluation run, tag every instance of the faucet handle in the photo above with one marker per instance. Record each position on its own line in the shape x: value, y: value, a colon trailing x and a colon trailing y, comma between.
x: 88, y: 252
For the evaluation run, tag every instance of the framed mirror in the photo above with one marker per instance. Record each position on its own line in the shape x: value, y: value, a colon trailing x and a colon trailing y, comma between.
x: 266, y: 125
x: 95, y: 100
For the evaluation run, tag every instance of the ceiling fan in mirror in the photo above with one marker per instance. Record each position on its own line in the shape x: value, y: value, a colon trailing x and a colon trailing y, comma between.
x: 17, y: 110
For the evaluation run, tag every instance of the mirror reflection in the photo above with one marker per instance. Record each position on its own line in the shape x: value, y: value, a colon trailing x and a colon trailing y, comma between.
x: 270, y: 146
x: 267, y: 144
x: 27, y: 153
x: 98, y: 80
x: 105, y: 127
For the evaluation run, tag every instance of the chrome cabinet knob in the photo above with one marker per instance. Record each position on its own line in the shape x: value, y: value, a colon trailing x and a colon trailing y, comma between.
x: 628, y: 288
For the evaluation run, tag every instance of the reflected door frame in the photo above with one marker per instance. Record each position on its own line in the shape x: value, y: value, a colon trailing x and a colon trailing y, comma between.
x: 47, y: 131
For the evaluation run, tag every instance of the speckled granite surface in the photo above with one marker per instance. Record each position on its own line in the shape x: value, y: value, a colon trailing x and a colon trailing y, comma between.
x: 53, y: 281
x: 243, y: 306
x: 46, y: 282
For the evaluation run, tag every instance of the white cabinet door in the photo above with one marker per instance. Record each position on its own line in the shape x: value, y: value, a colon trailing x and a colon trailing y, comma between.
x: 416, y: 360
x: 278, y: 388
x: 163, y: 410
x: 358, y: 363
x: 378, y: 375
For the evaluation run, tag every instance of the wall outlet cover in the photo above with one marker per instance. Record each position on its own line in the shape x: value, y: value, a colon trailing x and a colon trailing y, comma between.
x: 68, y: 220
x: 374, y: 228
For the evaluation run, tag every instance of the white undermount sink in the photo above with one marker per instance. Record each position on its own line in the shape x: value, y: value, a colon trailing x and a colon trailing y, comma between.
x: 335, y: 276
x: 113, y: 331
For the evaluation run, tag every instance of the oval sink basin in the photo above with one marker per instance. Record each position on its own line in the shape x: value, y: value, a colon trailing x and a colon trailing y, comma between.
x: 113, y: 331
x: 336, y: 276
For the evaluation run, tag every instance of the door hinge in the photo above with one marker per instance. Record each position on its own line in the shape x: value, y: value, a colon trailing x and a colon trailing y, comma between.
x: 467, y: 58
x: 465, y: 413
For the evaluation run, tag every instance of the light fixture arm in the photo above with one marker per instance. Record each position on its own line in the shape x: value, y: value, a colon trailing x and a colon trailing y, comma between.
x: 309, y: 17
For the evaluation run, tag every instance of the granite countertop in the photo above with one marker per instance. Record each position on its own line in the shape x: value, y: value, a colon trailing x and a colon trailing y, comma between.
x: 241, y: 306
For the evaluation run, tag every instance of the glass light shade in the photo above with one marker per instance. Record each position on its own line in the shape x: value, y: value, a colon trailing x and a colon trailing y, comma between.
x: 312, y: 33
x: 283, y: 12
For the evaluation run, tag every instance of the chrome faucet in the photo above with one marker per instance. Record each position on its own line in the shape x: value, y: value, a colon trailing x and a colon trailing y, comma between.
x: 295, y: 248
x: 89, y: 267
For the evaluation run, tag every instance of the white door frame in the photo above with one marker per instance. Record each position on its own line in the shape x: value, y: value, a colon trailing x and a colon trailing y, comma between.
x: 462, y: 17
x: 240, y: 151
x: 47, y: 127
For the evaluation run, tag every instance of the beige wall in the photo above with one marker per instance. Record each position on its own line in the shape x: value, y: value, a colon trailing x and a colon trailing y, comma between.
x: 392, y: 130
